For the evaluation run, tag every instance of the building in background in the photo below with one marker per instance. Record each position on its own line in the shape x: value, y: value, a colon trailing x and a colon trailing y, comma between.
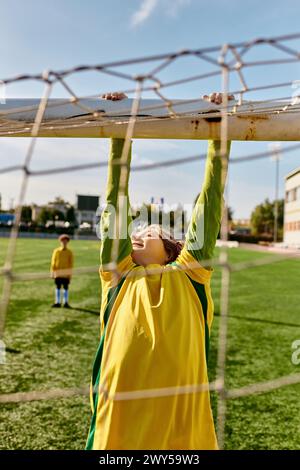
x: 292, y: 209
x: 36, y: 211
x: 86, y: 210
x: 59, y: 205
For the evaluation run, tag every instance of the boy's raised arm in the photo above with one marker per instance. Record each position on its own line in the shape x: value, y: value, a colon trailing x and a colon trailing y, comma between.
x: 207, y: 214
x: 108, y: 216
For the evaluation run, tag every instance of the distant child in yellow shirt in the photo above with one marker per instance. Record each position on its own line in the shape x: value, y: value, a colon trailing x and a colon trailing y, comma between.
x: 61, y: 270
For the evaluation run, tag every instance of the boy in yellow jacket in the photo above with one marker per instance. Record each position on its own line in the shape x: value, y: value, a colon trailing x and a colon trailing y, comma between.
x: 155, y: 326
x: 61, y: 270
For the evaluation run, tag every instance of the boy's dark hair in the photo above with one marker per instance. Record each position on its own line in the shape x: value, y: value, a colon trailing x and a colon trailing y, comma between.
x: 172, y: 246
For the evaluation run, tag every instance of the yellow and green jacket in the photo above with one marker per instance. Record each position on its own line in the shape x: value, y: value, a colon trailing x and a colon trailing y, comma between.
x: 154, y: 338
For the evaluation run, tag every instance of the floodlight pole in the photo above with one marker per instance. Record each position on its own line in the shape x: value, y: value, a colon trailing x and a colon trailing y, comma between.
x: 276, y: 157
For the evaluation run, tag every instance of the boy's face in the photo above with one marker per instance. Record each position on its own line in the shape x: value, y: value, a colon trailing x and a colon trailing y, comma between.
x: 148, y: 248
x: 64, y: 242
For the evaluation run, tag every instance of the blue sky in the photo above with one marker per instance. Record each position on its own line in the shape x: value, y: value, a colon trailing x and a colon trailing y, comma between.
x: 64, y: 33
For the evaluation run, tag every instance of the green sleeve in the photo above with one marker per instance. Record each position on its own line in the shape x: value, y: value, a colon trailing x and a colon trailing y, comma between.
x: 108, y: 222
x: 207, y: 213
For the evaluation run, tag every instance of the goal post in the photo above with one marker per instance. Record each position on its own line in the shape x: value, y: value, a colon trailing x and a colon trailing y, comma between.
x: 193, y: 119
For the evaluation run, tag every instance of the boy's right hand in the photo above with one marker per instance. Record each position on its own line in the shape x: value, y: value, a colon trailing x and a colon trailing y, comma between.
x: 115, y: 96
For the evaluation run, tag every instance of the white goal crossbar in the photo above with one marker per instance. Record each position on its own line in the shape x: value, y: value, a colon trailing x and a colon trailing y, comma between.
x: 182, y: 119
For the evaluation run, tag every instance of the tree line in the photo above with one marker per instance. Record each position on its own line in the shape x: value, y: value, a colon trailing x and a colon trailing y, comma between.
x: 262, y: 219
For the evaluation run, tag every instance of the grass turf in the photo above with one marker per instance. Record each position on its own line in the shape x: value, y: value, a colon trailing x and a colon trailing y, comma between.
x: 55, y: 348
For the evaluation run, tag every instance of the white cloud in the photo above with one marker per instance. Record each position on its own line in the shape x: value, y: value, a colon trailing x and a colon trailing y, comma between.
x: 142, y: 14
x: 147, y: 8
x: 173, y: 6
x: 137, y: 160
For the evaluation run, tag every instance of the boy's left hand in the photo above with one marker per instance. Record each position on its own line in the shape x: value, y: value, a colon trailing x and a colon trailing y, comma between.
x: 216, y: 98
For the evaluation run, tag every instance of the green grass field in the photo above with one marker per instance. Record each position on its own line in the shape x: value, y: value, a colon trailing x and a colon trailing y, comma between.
x: 55, y: 348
